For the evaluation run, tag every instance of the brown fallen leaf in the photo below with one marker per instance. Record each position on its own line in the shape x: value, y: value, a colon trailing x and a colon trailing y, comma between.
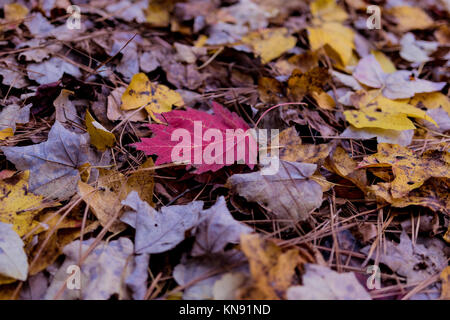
x: 292, y: 148
x: 272, y: 269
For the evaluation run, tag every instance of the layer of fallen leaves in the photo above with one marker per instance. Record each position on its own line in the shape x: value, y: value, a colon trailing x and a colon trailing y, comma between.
x: 88, y: 178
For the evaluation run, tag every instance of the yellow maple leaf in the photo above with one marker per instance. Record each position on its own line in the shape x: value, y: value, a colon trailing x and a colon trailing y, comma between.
x: 101, y: 138
x: 270, y: 43
x: 18, y: 206
x: 5, y: 133
x: 431, y: 100
x: 328, y: 10
x: 292, y: 148
x: 432, y: 194
x: 272, y: 269
x: 410, y: 18
x: 377, y: 111
x: 156, y: 98
x: 410, y: 171
x: 327, y: 30
x: 338, y: 37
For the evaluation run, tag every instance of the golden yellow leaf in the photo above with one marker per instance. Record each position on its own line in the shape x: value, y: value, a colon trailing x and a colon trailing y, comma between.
x: 18, y: 206
x: 5, y: 133
x: 410, y: 18
x: 343, y: 165
x: 101, y: 138
x: 328, y: 10
x: 292, y: 149
x: 447, y: 235
x: 410, y: 171
x: 15, y: 12
x: 272, y: 270
x: 445, y: 278
x: 301, y: 84
x: 158, y: 12
x: 156, y: 98
x: 431, y: 100
x: 377, y: 111
x: 142, y: 182
x: 324, y: 100
x: 338, y: 37
x: 270, y: 43
x: 105, y: 200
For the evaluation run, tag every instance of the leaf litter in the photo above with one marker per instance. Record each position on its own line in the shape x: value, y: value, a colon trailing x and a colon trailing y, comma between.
x: 88, y: 177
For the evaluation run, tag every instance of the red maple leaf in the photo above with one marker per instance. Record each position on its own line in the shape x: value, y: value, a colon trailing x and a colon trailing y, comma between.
x: 204, y: 152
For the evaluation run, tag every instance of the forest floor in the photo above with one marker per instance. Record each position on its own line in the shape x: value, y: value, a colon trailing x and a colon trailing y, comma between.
x: 235, y: 149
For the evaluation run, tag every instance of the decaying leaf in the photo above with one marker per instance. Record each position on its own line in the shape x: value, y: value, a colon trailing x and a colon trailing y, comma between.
x: 322, y: 283
x: 416, y: 51
x: 200, y: 274
x: 137, y: 280
x: 217, y: 230
x: 53, y: 164
x: 102, y: 273
x: 270, y: 43
x: 11, y: 115
x: 328, y: 29
x: 65, y: 110
x: 292, y: 148
x: 104, y: 202
x: 160, y: 231
x: 15, y: 12
x: 417, y: 262
x: 410, y: 170
x: 51, y: 70
x: 342, y: 164
x: 115, y: 112
x: 289, y: 194
x: 272, y: 269
x: 310, y: 82
x: 56, y: 236
x: 142, y: 182
x: 19, y: 206
x: 445, y: 278
x: 432, y: 194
